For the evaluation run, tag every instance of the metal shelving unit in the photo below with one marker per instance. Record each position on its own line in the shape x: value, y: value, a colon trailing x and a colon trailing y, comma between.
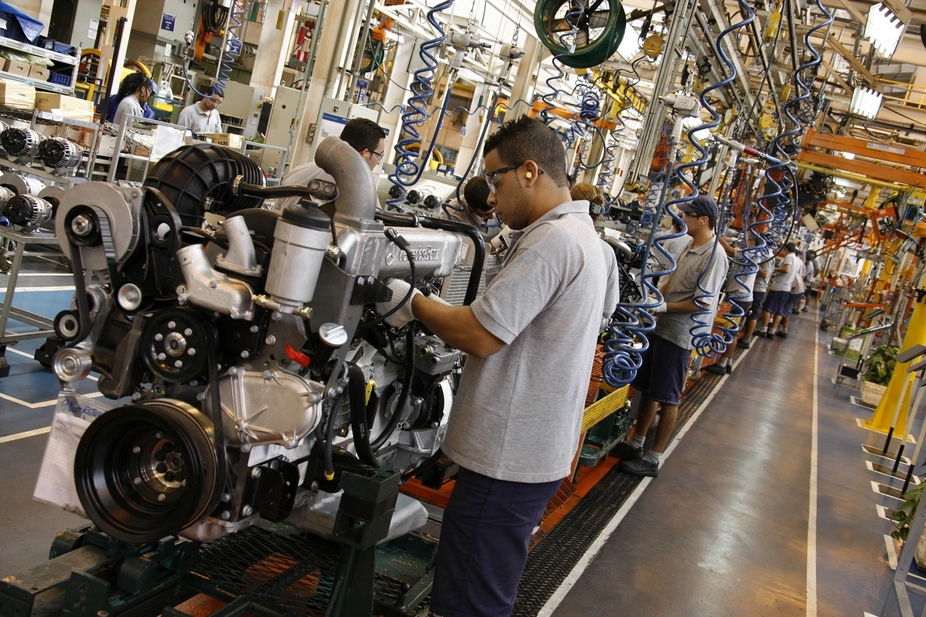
x: 32, y: 50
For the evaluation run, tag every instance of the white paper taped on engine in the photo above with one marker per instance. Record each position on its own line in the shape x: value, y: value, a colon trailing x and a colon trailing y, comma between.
x: 73, y: 415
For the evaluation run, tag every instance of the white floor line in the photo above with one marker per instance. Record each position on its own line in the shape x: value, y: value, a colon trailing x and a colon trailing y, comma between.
x: 50, y: 288
x: 593, y: 550
x: 891, y: 551
x: 22, y: 274
x: 18, y: 436
x: 39, y: 405
x: 812, y: 515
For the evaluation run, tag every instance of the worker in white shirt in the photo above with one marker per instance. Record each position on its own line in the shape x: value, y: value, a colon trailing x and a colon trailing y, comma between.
x: 203, y: 117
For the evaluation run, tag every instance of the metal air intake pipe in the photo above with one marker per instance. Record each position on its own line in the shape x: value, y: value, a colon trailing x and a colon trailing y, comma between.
x: 356, y: 187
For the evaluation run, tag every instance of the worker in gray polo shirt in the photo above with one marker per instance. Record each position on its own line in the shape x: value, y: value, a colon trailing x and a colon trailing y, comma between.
x: 694, y: 287
x: 203, y: 116
x: 530, y: 342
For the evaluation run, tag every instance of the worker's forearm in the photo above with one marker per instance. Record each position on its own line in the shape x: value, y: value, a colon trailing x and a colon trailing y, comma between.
x: 457, y: 326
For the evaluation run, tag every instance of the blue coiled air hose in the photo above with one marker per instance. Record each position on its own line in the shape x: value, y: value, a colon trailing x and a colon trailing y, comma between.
x: 704, y: 340
x: 225, y: 68
x: 627, y: 331
x: 407, y: 170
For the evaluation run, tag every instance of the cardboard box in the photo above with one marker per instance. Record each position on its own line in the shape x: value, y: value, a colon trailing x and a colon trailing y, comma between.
x: 67, y: 106
x: 39, y: 72
x: 16, y: 67
x: 229, y: 140
x: 16, y: 95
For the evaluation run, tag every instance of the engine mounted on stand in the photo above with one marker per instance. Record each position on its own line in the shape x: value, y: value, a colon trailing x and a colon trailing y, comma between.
x: 262, y: 380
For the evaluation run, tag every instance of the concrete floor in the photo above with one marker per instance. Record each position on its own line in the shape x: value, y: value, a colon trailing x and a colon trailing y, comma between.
x: 722, y: 531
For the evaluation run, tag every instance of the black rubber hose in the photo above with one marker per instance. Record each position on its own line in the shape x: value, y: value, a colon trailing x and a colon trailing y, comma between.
x: 479, y: 260
x: 266, y: 192
x: 403, y: 395
x: 357, y: 389
x: 329, y: 436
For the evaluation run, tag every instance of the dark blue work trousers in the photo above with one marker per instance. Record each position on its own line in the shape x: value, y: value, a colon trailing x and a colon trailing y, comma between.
x: 483, y: 545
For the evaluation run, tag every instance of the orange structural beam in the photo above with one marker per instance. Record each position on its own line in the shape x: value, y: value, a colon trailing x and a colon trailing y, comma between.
x: 871, y: 149
x: 540, y: 106
x: 864, y: 168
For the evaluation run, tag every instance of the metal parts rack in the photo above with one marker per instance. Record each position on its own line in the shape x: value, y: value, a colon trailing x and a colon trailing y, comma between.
x: 7, y: 310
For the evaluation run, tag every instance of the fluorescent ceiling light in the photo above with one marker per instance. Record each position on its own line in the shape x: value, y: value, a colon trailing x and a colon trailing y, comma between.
x: 884, y: 29
x: 866, y: 102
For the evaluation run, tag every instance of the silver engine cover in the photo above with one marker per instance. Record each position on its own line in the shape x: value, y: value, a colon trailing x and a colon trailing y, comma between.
x: 271, y: 406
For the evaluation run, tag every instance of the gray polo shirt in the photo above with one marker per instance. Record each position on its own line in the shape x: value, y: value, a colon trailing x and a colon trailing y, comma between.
x: 199, y: 121
x: 518, y: 413
x: 781, y: 281
x: 740, y: 285
x: 710, y: 259
x: 301, y: 176
x: 765, y: 275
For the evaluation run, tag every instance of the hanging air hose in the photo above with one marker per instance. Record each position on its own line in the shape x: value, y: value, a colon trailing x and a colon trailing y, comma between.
x: 606, y: 174
x: 627, y: 340
x: 407, y: 170
x: 705, y: 342
x: 214, y: 16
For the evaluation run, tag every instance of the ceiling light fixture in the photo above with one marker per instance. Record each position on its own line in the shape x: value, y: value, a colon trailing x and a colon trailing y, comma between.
x: 886, y: 23
x: 866, y: 102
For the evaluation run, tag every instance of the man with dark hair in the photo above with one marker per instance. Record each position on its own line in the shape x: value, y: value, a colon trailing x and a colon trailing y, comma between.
x: 203, y: 117
x: 475, y: 210
x: 514, y: 430
x: 363, y: 135
x: 132, y: 98
x: 693, y: 287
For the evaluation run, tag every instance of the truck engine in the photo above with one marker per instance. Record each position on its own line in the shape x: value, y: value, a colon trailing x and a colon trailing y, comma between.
x: 250, y: 366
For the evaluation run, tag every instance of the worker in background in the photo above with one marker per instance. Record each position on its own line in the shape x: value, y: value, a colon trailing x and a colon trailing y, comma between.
x: 700, y: 273
x: 475, y: 210
x: 203, y: 116
x: 810, y: 274
x: 595, y: 198
x: 514, y: 428
x: 779, y: 292
x: 673, y: 245
x: 739, y: 289
x: 363, y: 135
x: 132, y: 98
x: 759, y: 289
x: 796, y: 295
x: 593, y: 195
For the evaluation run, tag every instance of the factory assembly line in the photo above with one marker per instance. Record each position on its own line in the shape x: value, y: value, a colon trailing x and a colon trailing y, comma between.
x: 242, y: 421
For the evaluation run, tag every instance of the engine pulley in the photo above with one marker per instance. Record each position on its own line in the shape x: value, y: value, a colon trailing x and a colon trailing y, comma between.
x: 20, y: 143
x: 148, y: 470
x: 175, y: 344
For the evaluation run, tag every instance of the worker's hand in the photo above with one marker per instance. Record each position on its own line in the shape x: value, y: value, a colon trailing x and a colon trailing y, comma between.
x: 404, y: 315
x: 659, y: 308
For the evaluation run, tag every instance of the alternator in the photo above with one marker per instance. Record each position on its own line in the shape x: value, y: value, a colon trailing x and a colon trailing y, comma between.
x: 20, y: 143
x: 59, y: 153
x: 27, y: 211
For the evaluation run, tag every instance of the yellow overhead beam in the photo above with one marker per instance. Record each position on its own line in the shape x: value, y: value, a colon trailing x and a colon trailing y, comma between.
x: 848, y: 176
